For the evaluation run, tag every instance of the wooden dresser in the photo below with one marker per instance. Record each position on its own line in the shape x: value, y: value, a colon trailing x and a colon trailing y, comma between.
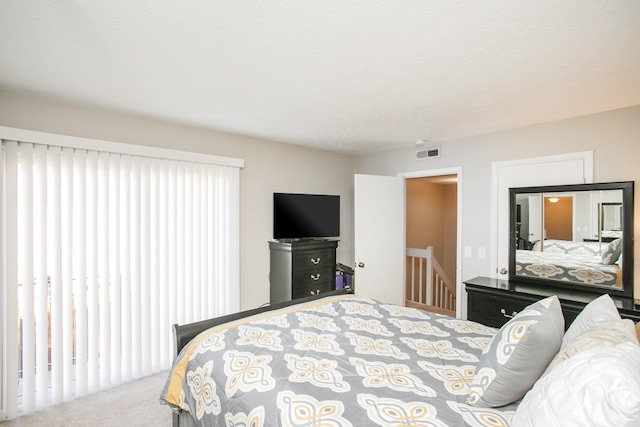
x: 301, y: 268
x: 493, y: 302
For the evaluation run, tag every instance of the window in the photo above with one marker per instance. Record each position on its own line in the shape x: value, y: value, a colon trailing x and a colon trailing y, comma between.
x: 104, y: 247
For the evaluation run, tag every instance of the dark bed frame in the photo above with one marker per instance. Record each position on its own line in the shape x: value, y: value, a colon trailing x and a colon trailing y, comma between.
x: 183, y: 334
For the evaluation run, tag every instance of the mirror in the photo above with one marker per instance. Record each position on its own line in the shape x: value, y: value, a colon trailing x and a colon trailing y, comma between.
x: 573, y: 236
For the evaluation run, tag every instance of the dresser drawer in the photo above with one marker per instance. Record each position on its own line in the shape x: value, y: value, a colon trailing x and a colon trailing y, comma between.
x: 311, y: 277
x: 313, y: 260
x: 312, y: 290
x: 492, y: 310
x: 496, y: 309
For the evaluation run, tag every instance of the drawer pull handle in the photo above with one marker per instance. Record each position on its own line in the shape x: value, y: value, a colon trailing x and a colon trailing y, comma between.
x: 315, y: 261
x: 315, y: 276
x: 316, y: 292
x: 504, y: 313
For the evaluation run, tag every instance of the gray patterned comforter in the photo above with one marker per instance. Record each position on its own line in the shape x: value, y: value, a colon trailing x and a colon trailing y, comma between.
x: 337, y: 361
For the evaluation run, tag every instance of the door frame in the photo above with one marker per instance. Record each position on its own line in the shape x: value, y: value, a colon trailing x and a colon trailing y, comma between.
x: 439, y: 172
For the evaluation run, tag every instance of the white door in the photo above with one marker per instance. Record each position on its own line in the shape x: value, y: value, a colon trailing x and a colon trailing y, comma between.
x: 573, y: 168
x: 379, y: 226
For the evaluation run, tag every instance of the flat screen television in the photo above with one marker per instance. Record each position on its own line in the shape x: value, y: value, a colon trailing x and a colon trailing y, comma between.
x: 305, y: 216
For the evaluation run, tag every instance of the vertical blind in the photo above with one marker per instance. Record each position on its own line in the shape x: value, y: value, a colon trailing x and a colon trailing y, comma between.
x: 102, y: 252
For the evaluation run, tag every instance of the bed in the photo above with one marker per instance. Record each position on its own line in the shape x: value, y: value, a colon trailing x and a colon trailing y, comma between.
x: 583, y: 262
x: 343, y: 360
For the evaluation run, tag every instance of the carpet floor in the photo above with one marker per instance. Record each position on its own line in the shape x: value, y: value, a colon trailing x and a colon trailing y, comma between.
x: 136, y: 403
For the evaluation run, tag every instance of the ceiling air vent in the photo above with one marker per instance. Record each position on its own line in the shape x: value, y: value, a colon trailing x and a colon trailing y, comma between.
x: 428, y: 153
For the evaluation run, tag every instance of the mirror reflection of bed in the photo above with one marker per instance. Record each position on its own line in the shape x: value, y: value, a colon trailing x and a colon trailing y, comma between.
x: 590, y: 263
x: 576, y: 235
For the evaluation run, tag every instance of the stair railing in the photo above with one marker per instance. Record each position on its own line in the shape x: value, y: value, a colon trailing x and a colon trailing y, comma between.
x: 428, y: 285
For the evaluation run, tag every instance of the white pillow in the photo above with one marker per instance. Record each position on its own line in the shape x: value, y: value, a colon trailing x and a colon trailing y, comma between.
x: 605, y: 334
x: 601, y: 309
x: 597, y: 387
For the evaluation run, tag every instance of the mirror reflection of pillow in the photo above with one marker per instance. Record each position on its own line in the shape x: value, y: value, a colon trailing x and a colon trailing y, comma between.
x: 613, y: 252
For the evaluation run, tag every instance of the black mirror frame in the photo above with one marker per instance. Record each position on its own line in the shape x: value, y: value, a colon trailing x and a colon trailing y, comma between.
x: 627, y: 188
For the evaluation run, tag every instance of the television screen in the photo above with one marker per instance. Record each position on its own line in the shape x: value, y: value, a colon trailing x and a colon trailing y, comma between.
x: 301, y: 216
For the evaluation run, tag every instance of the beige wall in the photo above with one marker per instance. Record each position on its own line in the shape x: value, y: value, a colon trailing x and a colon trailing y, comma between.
x: 613, y: 136
x: 425, y: 215
x: 269, y: 167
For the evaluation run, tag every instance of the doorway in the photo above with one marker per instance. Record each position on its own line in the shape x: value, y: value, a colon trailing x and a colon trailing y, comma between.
x: 380, y: 238
x: 558, y: 218
x: 432, y: 242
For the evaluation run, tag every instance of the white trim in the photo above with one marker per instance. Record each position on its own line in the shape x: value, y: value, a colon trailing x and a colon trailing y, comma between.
x: 3, y: 279
x: 585, y: 156
x: 115, y: 147
x: 431, y: 172
x: 439, y: 172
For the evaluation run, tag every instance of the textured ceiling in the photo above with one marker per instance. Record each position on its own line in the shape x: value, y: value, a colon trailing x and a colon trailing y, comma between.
x: 351, y: 76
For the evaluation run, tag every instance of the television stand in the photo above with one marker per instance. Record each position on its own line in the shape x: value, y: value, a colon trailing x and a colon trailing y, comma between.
x: 301, y: 268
